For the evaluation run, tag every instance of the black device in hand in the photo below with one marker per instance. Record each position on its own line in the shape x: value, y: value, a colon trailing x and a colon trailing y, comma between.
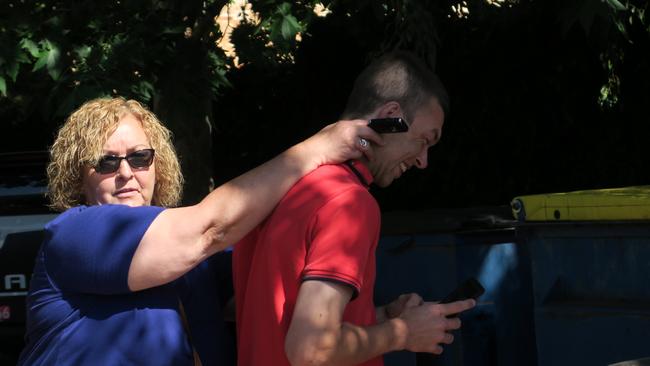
x: 388, y: 125
x: 470, y: 289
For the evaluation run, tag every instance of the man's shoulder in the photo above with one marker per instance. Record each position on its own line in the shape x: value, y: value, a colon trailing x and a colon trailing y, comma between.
x: 337, y: 186
x: 331, y: 169
x: 329, y: 181
x: 327, y: 186
x: 333, y: 174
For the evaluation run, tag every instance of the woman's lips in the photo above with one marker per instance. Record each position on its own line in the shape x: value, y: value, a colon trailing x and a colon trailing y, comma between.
x: 124, y: 193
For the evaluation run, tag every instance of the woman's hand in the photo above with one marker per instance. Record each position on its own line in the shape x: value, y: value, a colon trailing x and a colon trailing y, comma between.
x: 342, y: 141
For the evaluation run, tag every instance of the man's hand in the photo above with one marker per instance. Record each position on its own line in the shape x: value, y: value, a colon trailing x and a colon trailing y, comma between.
x: 395, y: 308
x: 427, y: 325
x: 341, y: 141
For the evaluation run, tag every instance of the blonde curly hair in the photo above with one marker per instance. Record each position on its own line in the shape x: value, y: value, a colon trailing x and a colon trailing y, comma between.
x: 80, y: 141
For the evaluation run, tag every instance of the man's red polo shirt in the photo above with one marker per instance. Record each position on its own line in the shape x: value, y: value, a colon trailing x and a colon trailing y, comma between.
x: 326, y: 227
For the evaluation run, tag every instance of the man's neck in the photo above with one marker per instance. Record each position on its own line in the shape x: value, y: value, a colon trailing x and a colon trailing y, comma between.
x: 361, y: 170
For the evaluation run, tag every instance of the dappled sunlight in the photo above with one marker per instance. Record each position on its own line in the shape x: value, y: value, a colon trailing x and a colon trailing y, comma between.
x: 500, y: 3
x: 461, y: 9
x: 321, y: 10
x: 238, y: 12
x: 231, y: 16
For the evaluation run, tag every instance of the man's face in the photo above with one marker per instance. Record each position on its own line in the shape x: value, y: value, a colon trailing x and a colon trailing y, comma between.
x: 405, y: 150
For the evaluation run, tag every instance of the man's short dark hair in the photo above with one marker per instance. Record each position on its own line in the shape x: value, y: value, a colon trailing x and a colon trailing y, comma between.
x: 397, y: 76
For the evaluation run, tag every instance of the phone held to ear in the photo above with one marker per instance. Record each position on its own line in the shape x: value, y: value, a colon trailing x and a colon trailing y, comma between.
x: 470, y: 289
x: 388, y: 125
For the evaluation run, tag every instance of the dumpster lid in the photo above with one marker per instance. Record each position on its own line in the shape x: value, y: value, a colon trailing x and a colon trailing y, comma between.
x: 627, y: 203
x: 446, y: 220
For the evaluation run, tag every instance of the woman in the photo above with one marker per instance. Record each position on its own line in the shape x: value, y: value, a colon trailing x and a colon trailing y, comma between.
x: 110, y: 273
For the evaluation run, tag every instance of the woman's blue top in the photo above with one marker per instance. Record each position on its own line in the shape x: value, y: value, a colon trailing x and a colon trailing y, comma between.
x: 80, y: 310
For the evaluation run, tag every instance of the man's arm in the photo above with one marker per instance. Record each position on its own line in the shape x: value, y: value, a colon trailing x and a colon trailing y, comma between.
x: 317, y: 335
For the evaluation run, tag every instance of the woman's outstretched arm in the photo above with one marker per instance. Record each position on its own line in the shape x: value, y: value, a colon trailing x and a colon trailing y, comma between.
x: 180, y: 238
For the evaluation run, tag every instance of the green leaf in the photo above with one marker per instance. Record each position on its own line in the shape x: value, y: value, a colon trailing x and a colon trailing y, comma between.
x: 41, y: 61
x: 49, y: 56
x: 3, y: 86
x: 53, y: 21
x: 30, y: 46
x: 83, y: 51
x: 22, y: 58
x: 53, y: 54
x: 621, y: 27
x: 144, y: 90
x: 12, y: 70
x: 54, y: 72
x: 284, y: 8
x: 616, y: 5
x: 290, y: 27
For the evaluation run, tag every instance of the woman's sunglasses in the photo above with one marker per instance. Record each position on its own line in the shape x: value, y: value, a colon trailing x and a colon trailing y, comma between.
x: 137, y: 159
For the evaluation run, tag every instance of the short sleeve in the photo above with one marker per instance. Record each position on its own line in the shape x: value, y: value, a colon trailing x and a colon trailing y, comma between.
x: 344, y: 232
x: 89, y: 249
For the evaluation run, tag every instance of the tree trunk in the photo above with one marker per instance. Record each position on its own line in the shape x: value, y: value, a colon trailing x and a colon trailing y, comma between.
x: 183, y: 103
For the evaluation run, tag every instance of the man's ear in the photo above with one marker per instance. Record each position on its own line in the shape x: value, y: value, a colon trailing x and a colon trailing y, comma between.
x: 390, y: 109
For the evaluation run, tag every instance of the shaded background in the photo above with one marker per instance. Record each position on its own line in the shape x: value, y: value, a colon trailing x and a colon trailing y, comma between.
x: 545, y: 96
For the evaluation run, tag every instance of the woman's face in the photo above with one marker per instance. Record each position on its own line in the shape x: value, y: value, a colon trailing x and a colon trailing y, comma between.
x: 127, y: 186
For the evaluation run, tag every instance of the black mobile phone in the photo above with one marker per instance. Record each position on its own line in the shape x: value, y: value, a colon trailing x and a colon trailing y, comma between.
x: 388, y: 125
x: 470, y: 289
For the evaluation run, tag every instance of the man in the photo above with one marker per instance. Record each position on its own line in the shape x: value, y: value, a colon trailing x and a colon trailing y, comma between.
x: 304, y: 278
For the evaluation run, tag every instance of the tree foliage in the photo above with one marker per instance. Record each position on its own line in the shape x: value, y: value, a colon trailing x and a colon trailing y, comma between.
x: 524, y: 78
x: 55, y: 55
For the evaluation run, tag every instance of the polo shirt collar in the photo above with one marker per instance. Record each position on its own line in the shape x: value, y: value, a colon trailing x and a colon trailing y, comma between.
x: 362, y: 169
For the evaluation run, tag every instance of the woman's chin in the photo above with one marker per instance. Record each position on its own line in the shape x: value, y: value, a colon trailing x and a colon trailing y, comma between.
x: 128, y: 201
x: 133, y: 202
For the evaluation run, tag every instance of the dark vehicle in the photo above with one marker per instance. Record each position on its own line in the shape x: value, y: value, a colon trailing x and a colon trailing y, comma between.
x: 23, y: 214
